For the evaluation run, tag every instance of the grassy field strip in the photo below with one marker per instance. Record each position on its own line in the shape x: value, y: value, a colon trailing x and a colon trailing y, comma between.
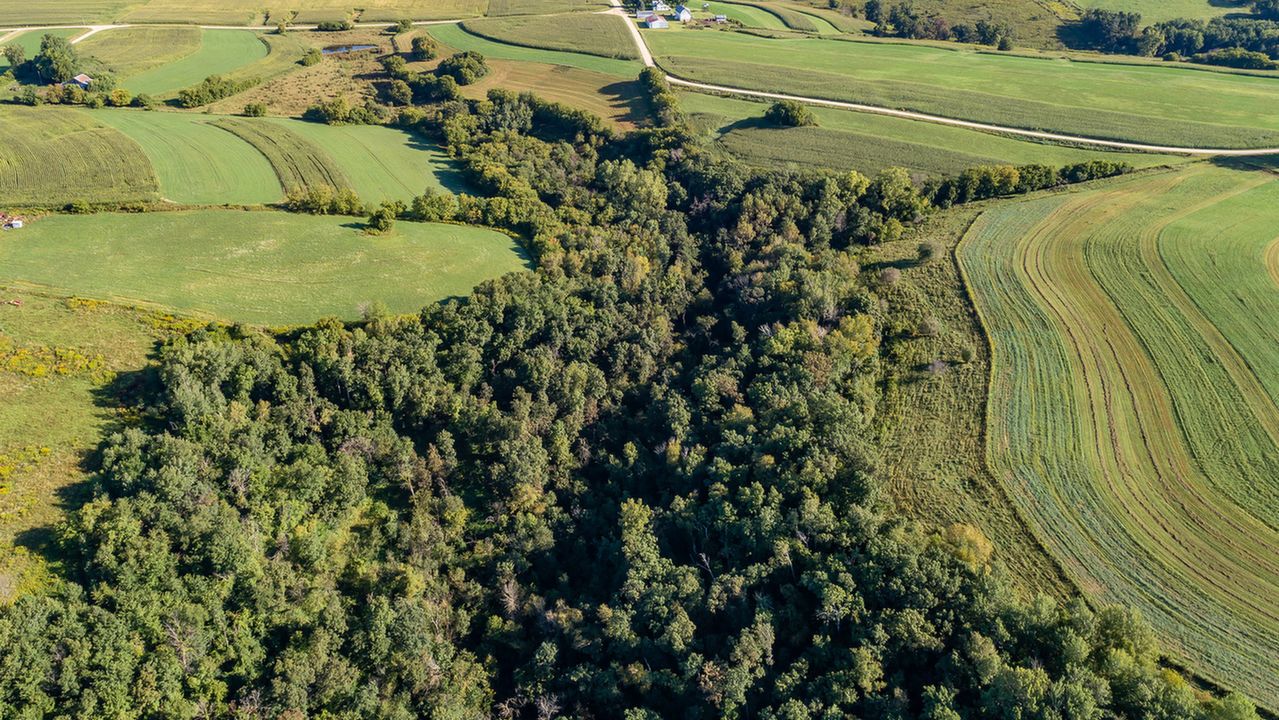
x: 454, y: 36
x: 1272, y: 260
x: 1153, y: 11
x: 134, y: 50
x: 220, y: 52
x: 871, y: 143
x: 54, y: 156
x: 196, y: 162
x: 258, y: 267
x: 381, y: 163
x: 59, y: 12
x: 1103, y: 408
x: 1147, y: 104
x: 592, y: 33
x: 748, y: 15
x: 297, y: 162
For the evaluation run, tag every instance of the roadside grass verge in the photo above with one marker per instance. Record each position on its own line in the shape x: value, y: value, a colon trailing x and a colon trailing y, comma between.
x: 263, y: 267
x: 1132, y: 412
x: 1139, y: 103
x: 53, y: 156
x: 603, y: 35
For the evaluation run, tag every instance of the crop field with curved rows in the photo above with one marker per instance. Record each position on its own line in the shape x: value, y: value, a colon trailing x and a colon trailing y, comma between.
x: 1134, y: 407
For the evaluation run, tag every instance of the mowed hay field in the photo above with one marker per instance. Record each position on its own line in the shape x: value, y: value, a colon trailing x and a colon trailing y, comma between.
x: 1153, y: 11
x: 218, y: 160
x: 603, y: 35
x: 54, y: 156
x: 248, y: 12
x: 870, y: 143
x: 258, y: 267
x: 1134, y: 405
x: 1138, y: 102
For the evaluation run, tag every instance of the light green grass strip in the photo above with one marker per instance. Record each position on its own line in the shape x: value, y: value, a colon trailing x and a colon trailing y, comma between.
x: 258, y: 267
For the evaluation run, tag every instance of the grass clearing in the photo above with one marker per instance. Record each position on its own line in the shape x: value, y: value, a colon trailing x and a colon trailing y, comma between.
x: 747, y: 15
x: 870, y: 143
x: 196, y: 162
x: 603, y: 35
x: 53, y: 156
x: 130, y: 51
x: 1142, y: 103
x: 58, y: 12
x: 43, y: 463
x: 220, y: 52
x: 1134, y: 406
x: 497, y: 8
x: 455, y: 36
x: 258, y: 267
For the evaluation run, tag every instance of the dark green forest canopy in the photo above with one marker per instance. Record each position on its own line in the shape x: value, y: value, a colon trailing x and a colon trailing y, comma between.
x: 636, y: 483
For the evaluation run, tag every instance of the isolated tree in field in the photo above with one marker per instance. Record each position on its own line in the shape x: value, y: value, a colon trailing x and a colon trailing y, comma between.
x: 382, y: 220
x: 57, y: 61
x: 789, y: 113
x: 424, y: 48
x: 929, y: 251
x: 312, y: 57
x: 464, y: 67
x: 254, y: 110
x: 402, y: 26
x: 15, y: 55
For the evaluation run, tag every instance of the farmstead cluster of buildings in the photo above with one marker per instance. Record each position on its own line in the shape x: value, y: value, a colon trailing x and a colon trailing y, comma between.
x: 661, y: 14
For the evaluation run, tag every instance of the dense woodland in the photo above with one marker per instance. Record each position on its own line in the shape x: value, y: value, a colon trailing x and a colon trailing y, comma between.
x: 637, y: 482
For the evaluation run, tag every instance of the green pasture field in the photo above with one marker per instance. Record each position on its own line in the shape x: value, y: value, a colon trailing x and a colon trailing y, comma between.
x: 381, y: 163
x: 1133, y: 413
x: 1035, y: 23
x: 247, y: 12
x: 130, y: 51
x: 1140, y: 103
x: 30, y: 41
x: 220, y: 52
x: 593, y: 34
x: 1153, y: 11
x: 58, y: 359
x: 838, y: 20
x: 795, y: 20
x: 53, y: 156
x: 455, y: 36
x: 59, y: 12
x: 870, y: 143
x: 196, y: 162
x: 260, y: 267
x: 298, y: 163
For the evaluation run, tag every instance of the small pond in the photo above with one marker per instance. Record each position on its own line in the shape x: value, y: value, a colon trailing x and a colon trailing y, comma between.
x: 338, y: 49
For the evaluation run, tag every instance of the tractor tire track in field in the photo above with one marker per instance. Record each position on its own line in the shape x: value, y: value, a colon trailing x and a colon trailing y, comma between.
x: 1271, y: 258
x: 1088, y: 437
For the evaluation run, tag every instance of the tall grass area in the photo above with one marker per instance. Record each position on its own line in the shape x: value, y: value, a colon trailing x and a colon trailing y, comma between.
x: 53, y: 156
x: 1139, y: 103
x: 59, y: 359
x: 870, y: 143
x: 1133, y: 412
x: 259, y: 267
x: 603, y: 35
x: 1153, y: 11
